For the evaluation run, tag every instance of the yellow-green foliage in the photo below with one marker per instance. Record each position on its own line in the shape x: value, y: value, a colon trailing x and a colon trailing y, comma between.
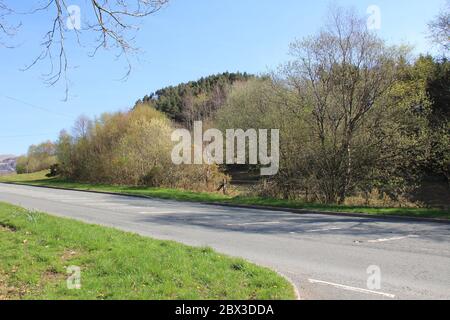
x: 38, y: 158
x: 129, y: 148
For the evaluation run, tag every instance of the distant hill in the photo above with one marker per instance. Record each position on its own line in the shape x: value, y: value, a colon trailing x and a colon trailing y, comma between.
x: 194, y: 100
x: 7, y: 164
x: 6, y: 156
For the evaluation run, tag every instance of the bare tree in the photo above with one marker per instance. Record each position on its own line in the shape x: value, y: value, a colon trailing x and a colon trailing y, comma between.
x: 111, y: 22
x: 340, y: 74
x: 6, y: 29
x: 82, y: 127
x: 439, y: 28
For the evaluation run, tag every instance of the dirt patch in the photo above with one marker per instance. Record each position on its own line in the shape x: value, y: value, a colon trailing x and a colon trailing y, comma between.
x: 69, y: 254
x: 8, y: 292
x: 51, y: 276
x: 7, y: 228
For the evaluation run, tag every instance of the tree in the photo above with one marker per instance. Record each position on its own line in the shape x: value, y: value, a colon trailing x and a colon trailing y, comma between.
x: 129, y: 148
x: 438, y: 89
x: 195, y: 100
x: 341, y: 74
x: 439, y: 29
x: 39, y: 157
x: 108, y: 22
x: 6, y: 30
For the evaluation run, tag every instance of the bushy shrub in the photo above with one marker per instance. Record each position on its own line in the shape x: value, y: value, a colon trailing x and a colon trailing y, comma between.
x: 129, y: 148
x: 39, y: 157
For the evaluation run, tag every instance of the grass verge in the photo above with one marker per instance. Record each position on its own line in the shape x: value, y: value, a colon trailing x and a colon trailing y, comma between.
x: 36, y: 249
x: 39, y: 179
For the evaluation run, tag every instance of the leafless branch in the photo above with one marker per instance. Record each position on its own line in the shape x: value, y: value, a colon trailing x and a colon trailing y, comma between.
x: 439, y: 29
x: 111, y: 22
x: 6, y: 29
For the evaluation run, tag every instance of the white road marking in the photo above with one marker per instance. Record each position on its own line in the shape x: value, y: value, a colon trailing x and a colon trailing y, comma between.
x: 253, y: 223
x: 392, y: 239
x: 341, y: 286
x: 156, y: 212
x: 324, y: 229
x: 68, y: 199
x: 95, y: 200
x: 97, y: 204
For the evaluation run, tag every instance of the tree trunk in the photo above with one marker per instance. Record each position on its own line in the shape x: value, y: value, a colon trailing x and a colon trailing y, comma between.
x: 348, y: 173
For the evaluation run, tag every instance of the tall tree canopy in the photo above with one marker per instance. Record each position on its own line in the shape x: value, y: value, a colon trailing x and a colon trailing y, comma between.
x: 195, y: 100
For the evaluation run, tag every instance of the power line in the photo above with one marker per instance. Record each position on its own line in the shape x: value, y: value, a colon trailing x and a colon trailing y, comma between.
x: 26, y: 135
x: 39, y: 108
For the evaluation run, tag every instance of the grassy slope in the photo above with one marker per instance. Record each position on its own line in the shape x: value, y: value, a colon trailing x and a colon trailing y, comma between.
x: 40, y: 179
x: 36, y: 248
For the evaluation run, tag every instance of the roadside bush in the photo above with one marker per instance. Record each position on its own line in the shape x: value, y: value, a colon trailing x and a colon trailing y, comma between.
x: 39, y: 157
x: 54, y: 171
x: 129, y: 148
x: 359, y: 121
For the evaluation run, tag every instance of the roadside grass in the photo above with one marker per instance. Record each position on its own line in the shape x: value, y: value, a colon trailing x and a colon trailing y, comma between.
x: 36, y: 249
x: 39, y: 179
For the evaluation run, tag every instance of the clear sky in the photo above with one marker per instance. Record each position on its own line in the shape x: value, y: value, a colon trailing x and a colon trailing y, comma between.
x: 184, y: 41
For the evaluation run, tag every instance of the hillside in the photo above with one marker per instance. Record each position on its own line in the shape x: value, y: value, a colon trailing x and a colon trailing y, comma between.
x: 194, y: 100
x: 7, y: 164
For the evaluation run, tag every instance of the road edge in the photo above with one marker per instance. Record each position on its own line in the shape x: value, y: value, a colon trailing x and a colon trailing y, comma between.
x: 294, y: 286
x: 255, y: 207
x: 332, y: 213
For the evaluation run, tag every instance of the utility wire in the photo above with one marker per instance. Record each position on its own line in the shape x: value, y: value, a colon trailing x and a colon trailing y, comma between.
x: 39, y: 108
x: 26, y: 135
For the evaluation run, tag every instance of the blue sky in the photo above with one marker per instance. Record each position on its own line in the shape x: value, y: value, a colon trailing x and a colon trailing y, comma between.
x: 184, y: 41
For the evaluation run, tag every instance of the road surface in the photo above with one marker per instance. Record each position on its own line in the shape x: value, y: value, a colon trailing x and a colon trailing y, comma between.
x: 326, y: 257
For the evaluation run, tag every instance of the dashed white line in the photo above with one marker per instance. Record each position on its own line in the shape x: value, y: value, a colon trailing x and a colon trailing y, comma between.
x: 349, y: 288
x: 68, y: 199
x: 253, y: 223
x: 156, y: 212
x: 97, y: 204
x: 324, y: 229
x: 392, y: 239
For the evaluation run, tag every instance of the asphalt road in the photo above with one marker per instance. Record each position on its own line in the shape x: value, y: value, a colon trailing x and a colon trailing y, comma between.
x: 326, y: 257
